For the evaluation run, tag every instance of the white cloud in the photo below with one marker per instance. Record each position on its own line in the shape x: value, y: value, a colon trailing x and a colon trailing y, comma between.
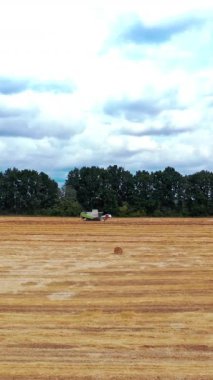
x: 62, y: 67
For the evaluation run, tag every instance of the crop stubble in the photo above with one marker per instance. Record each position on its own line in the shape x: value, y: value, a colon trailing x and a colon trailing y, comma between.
x: 72, y: 309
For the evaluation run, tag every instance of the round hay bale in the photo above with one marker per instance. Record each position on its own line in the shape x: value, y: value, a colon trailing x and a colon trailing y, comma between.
x: 118, y: 251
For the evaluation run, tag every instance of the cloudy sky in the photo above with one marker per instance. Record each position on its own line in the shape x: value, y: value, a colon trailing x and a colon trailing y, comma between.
x: 102, y: 82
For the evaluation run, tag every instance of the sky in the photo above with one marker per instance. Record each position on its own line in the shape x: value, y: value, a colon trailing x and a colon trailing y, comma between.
x: 102, y: 82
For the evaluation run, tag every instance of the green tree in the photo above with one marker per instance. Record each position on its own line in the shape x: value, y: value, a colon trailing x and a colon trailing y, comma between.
x: 199, y: 193
x: 68, y: 204
x: 26, y: 191
x: 121, y: 182
x: 143, y: 187
x: 168, y: 191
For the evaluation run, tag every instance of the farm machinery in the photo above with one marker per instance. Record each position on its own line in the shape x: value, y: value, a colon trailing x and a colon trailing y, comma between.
x: 94, y: 215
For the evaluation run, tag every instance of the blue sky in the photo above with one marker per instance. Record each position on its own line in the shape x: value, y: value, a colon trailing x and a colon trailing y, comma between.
x: 101, y: 82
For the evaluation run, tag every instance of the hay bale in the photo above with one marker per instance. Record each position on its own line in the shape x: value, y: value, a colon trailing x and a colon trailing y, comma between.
x: 118, y: 251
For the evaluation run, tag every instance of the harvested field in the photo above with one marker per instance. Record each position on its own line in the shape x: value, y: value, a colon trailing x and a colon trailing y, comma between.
x: 70, y: 308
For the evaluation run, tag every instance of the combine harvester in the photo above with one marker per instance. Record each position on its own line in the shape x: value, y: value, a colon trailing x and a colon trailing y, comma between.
x: 94, y: 215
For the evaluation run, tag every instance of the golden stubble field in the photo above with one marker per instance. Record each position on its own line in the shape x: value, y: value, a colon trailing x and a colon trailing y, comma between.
x: 72, y: 309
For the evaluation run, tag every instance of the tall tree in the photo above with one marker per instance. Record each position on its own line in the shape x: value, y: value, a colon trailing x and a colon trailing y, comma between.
x: 168, y: 191
x: 121, y: 182
x: 199, y: 193
x: 143, y: 188
x: 26, y: 191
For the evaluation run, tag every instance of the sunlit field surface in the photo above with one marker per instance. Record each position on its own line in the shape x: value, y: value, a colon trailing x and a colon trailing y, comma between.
x: 72, y: 309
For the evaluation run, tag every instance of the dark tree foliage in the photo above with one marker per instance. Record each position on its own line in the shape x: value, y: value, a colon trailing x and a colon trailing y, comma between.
x: 143, y: 193
x: 114, y: 190
x: 167, y: 191
x: 160, y: 193
x: 26, y: 191
x: 199, y: 194
x: 67, y: 204
x: 106, y: 189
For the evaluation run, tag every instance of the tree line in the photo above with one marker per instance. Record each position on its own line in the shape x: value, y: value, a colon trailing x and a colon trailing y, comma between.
x: 113, y: 190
